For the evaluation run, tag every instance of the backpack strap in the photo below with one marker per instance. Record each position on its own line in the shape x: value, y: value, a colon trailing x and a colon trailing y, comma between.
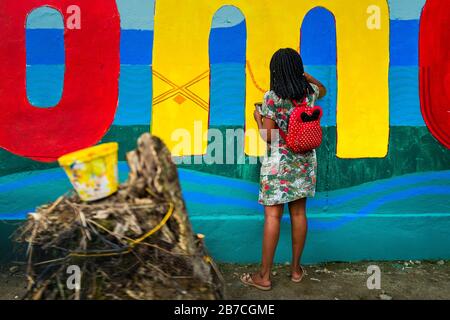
x: 305, y: 102
x: 282, y: 134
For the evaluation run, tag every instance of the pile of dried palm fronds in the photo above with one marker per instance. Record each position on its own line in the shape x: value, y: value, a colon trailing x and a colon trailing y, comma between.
x: 136, y: 244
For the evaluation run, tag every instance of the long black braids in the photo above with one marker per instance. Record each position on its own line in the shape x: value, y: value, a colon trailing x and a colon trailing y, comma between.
x: 287, y: 78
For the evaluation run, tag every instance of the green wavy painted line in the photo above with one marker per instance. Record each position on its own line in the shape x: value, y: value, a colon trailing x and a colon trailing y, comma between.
x: 411, y: 149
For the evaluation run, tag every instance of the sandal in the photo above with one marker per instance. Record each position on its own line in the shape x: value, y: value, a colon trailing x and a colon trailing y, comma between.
x: 301, y: 277
x: 247, y: 280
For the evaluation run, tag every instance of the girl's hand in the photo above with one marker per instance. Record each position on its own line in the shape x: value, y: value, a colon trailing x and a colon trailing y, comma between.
x: 257, y: 116
x: 307, y: 75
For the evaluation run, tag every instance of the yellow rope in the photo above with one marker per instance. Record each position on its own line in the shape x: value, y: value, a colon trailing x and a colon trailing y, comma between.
x: 156, y: 228
x: 252, y: 76
x: 134, y: 242
x: 75, y: 254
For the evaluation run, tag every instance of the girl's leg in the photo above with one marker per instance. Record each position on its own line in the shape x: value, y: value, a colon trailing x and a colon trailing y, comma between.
x: 299, y: 226
x: 273, y: 216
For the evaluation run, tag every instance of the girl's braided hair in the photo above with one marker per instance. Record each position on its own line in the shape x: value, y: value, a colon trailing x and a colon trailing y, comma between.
x: 287, y: 78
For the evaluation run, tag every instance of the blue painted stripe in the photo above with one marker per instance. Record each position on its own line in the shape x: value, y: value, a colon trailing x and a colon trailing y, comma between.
x: 200, y: 202
x: 403, y: 94
x: 404, y: 43
x: 196, y: 202
x: 402, y: 181
x: 318, y: 38
x: 45, y: 46
x: 28, y: 179
x: 45, y: 84
x: 374, y: 205
x: 242, y: 205
x: 135, y: 96
x: 207, y: 179
x: 136, y: 47
x: 228, y: 45
x: 227, y: 94
x: 382, y: 185
x: 319, y: 216
x: 405, y: 194
x: 315, y: 220
x: 228, y: 88
x: 404, y: 100
x: 19, y: 215
x: 328, y: 76
x: 215, y: 189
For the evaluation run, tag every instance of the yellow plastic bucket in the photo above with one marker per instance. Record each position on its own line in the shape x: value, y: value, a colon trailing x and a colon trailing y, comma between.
x: 93, y: 171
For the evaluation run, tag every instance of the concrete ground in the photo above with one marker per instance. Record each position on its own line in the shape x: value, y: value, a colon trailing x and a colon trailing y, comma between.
x: 331, y: 281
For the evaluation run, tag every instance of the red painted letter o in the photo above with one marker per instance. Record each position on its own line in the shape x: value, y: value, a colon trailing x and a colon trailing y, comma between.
x: 435, y: 69
x: 89, y: 100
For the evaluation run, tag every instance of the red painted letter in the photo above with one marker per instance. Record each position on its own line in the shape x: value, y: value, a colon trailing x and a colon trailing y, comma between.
x: 89, y: 100
x: 435, y: 68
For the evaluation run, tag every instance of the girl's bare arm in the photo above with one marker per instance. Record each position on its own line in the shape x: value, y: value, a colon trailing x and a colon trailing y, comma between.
x: 265, y: 126
x: 322, y: 89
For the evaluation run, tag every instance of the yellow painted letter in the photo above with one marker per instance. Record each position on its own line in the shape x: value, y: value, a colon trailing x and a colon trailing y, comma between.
x: 181, y: 66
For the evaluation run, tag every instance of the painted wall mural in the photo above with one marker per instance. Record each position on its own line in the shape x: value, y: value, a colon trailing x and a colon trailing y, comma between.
x: 131, y: 66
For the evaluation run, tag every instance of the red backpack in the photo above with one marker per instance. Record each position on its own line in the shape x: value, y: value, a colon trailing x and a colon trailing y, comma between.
x: 304, y: 131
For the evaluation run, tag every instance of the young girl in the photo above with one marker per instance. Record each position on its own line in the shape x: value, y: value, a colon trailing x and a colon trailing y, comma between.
x: 291, y: 177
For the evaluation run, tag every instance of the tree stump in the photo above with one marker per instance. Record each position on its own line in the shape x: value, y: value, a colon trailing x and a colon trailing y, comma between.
x: 135, y: 244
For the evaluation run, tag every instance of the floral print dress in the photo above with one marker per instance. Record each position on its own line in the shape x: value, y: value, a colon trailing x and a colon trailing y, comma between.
x: 286, y: 176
